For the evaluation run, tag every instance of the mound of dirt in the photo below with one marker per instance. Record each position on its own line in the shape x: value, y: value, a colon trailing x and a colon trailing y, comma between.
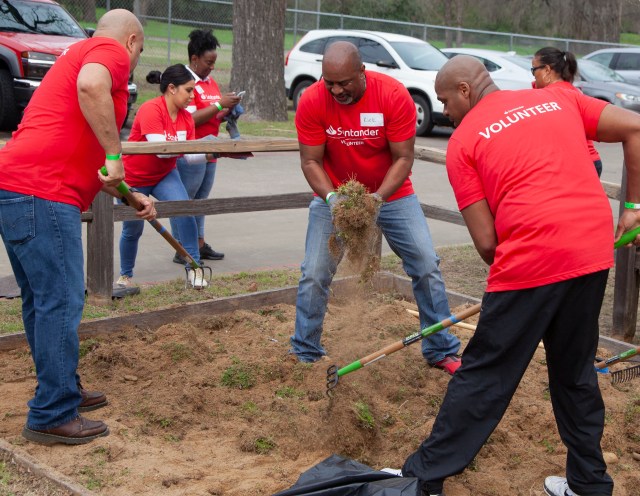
x: 215, y: 406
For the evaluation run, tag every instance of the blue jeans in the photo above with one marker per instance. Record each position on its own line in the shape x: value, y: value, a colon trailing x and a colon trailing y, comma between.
x: 198, y: 181
x: 169, y: 188
x: 44, y: 242
x: 405, y: 228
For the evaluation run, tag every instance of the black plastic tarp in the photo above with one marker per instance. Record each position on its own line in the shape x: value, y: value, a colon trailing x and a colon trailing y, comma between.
x: 337, y: 476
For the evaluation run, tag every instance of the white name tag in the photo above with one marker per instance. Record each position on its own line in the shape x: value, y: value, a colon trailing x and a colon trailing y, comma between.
x: 182, y: 136
x: 199, y: 89
x: 371, y: 120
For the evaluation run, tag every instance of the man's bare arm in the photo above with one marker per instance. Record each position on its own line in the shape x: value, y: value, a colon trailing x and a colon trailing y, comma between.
x: 311, y: 163
x: 481, y: 225
x: 96, y: 104
x: 402, y: 162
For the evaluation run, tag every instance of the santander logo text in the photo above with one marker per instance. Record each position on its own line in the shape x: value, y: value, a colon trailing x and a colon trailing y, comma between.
x: 353, y: 133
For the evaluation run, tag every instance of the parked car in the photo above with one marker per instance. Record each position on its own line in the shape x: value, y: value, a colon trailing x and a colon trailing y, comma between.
x: 625, y: 61
x: 33, y: 33
x: 601, y: 82
x: 508, y: 70
x: 411, y: 61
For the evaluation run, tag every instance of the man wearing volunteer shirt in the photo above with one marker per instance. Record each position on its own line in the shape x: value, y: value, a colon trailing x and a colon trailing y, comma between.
x: 48, y: 176
x: 361, y: 125
x: 523, y: 178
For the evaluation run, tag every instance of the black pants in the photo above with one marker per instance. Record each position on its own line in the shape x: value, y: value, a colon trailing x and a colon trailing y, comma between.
x: 512, y: 323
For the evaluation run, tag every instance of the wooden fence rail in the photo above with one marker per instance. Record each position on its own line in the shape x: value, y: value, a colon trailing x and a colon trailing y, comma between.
x: 103, y: 213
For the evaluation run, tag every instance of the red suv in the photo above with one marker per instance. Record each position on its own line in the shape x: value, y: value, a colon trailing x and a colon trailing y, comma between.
x: 33, y: 33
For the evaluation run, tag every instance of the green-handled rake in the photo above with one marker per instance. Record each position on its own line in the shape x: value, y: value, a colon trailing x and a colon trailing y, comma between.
x: 623, y: 375
x: 132, y: 201
x: 334, y: 374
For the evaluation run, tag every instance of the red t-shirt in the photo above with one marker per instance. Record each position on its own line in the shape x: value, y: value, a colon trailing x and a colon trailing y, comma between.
x: 564, y: 84
x: 54, y: 154
x: 153, y: 118
x: 357, y: 136
x: 206, y: 93
x: 520, y: 151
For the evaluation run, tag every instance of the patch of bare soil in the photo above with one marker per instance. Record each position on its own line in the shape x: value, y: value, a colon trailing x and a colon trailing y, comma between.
x: 213, y: 406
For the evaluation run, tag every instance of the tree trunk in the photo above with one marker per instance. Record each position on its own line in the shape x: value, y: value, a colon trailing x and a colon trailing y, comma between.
x: 258, y: 57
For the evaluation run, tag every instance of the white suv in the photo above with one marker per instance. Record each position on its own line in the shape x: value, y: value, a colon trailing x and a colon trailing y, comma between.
x: 411, y: 61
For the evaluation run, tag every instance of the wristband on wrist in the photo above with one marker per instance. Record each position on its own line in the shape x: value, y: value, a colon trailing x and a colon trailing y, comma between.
x: 114, y: 157
x: 329, y: 195
x: 633, y: 206
x: 217, y: 104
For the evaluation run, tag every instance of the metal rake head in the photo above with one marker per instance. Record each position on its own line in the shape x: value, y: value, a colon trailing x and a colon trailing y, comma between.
x: 332, y: 379
x: 625, y: 375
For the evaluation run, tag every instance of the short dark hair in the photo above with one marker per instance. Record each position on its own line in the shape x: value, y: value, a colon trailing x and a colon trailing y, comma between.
x: 175, y: 74
x: 564, y: 63
x: 201, y: 41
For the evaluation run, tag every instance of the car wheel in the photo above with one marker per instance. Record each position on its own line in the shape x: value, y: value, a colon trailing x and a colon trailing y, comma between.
x: 8, y: 109
x: 424, y: 122
x: 299, y: 90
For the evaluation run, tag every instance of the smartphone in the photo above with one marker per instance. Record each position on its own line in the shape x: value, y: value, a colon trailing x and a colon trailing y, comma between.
x: 240, y: 94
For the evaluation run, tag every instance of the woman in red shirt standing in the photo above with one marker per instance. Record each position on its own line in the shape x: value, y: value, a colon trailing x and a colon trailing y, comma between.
x: 208, y: 109
x: 551, y: 65
x: 163, y: 118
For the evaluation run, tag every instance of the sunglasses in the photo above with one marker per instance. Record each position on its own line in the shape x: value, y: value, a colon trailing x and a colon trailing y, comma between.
x: 534, y: 69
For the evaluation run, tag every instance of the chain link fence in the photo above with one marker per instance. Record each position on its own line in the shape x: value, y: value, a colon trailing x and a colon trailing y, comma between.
x: 169, y: 22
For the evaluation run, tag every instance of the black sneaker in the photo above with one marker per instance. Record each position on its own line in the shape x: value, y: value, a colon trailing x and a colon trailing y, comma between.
x: 208, y: 253
x: 177, y: 258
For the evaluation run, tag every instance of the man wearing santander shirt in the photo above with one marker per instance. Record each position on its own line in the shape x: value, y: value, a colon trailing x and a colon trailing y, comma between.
x: 48, y: 176
x: 361, y: 125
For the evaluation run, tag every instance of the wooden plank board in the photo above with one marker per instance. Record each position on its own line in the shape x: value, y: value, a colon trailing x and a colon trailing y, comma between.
x: 220, y: 145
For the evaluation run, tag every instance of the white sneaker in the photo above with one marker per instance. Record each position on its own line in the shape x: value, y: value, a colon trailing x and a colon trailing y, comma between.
x: 196, y: 279
x: 557, y: 486
x: 125, y: 282
x: 392, y: 471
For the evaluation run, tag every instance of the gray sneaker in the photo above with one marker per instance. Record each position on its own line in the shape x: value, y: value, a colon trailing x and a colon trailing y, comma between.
x: 557, y: 486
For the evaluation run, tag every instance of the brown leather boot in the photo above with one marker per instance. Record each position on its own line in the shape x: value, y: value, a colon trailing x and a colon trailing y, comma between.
x: 80, y: 430
x: 91, y: 400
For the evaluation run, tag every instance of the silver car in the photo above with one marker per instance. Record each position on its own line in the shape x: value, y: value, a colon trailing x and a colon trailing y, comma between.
x: 601, y: 82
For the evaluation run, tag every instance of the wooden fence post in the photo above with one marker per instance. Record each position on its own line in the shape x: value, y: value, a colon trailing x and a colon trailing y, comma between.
x: 100, y: 250
x: 627, y: 283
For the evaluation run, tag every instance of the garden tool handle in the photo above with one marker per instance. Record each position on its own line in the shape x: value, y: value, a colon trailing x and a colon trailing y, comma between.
x: 618, y: 358
x: 123, y: 189
x: 627, y: 237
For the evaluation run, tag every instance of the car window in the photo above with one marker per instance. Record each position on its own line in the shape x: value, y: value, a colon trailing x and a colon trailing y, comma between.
x: 628, y: 62
x: 592, y: 71
x: 489, y: 65
x: 603, y: 58
x: 420, y: 56
x: 35, y: 17
x: 373, y: 52
x: 314, y: 46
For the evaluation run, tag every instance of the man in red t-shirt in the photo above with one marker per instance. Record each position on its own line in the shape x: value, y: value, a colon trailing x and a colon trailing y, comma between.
x: 361, y: 125
x: 523, y: 179
x: 48, y: 176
